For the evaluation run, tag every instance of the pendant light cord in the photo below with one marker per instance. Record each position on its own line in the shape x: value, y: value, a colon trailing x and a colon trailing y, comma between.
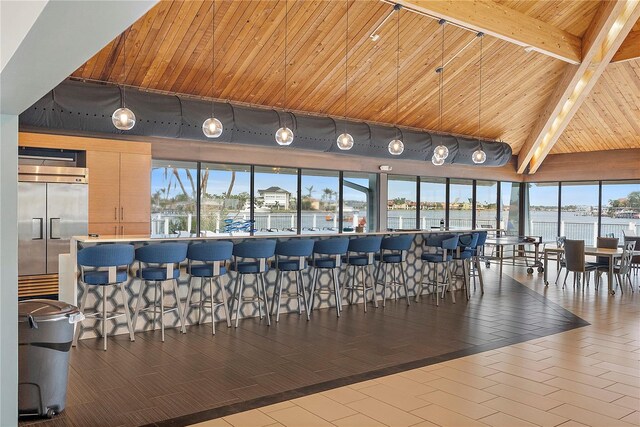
x: 286, y: 30
x: 397, y: 65
x: 346, y: 68
x: 124, y: 67
x: 480, y: 88
x: 441, y: 95
x: 213, y: 55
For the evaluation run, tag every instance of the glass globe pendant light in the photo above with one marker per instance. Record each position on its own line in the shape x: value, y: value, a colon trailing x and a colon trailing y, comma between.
x: 396, y: 146
x: 212, y: 127
x: 284, y: 135
x: 345, y: 140
x: 441, y: 151
x: 437, y: 161
x: 479, y: 156
x: 123, y: 118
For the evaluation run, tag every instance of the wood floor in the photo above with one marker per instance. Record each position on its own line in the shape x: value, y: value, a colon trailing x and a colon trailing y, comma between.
x: 196, y: 377
x: 588, y: 376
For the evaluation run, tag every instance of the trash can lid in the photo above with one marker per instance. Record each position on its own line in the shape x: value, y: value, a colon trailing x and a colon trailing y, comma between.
x: 45, y: 309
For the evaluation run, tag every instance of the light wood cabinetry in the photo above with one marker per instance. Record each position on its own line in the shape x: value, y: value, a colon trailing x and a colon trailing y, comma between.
x: 120, y: 199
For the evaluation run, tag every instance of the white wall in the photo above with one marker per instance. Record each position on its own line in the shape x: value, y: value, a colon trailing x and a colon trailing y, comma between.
x: 8, y: 270
x: 16, y: 19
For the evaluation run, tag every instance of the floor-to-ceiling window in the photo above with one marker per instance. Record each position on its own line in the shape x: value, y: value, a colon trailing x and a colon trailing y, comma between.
x: 402, y: 202
x: 460, y: 203
x: 486, y: 204
x: 542, y: 210
x: 433, y: 203
x: 359, y: 201
x: 510, y: 207
x: 224, y: 199
x: 320, y: 198
x: 579, y: 211
x: 620, y: 208
x: 275, y: 200
x: 174, y: 189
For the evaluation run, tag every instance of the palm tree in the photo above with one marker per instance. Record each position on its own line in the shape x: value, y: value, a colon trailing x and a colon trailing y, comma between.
x: 309, y: 191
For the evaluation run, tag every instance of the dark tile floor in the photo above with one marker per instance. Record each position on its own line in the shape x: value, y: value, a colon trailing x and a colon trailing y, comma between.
x: 197, y: 376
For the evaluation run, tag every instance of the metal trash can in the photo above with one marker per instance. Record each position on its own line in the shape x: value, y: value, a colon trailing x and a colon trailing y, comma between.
x: 45, y: 333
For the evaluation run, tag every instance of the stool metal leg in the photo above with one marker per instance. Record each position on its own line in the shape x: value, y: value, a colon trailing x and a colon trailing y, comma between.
x: 297, y: 293
x: 213, y: 307
x: 83, y: 304
x: 143, y: 285
x: 449, y: 275
x: 225, y: 303
x: 126, y: 312
x: 104, y: 319
x: 187, y: 304
x: 155, y: 300
x: 238, y: 297
x: 264, y: 298
x: 176, y: 293
x: 421, y: 282
x: 203, y: 298
x: 404, y: 281
x: 304, y: 294
x: 275, y: 294
x: 336, y: 291
x: 233, y: 291
x: 372, y: 289
x: 259, y: 292
x: 312, y: 293
x: 161, y: 310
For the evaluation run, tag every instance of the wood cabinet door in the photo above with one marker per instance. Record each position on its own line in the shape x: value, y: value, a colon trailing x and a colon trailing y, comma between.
x: 104, y: 186
x: 135, y: 188
x: 135, y: 228
x: 104, y: 228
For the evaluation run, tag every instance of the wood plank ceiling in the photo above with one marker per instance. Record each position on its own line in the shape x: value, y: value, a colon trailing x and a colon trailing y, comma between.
x: 170, y: 49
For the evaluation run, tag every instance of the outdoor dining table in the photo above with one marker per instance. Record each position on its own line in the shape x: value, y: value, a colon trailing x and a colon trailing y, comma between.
x: 611, y: 254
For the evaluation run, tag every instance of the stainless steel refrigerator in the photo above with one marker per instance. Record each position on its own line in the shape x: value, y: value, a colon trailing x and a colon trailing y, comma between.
x: 52, y: 207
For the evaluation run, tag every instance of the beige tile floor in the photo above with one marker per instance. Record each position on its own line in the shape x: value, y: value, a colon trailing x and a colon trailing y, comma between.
x: 584, y: 377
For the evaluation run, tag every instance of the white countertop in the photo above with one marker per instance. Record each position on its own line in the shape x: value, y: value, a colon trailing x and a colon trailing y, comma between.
x: 162, y: 238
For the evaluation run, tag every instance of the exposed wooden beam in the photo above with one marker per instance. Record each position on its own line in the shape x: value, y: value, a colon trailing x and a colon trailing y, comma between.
x: 608, y: 30
x: 630, y: 48
x: 504, y: 23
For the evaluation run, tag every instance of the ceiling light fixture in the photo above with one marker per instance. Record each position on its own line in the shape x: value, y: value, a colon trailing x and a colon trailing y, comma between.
x: 123, y: 118
x: 441, y: 152
x: 345, y: 140
x: 479, y: 156
x: 212, y: 127
x: 396, y: 146
x: 284, y: 135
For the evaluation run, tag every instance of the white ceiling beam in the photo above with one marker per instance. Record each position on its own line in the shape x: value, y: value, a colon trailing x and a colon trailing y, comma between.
x: 64, y: 35
x: 613, y: 21
x: 504, y: 23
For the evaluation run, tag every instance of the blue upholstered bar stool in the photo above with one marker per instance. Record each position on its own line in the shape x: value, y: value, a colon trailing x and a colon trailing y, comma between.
x: 327, y: 255
x: 445, y: 245
x: 108, y: 266
x: 162, y: 264
x: 291, y: 257
x: 360, y: 257
x: 476, y: 261
x: 207, y: 262
x: 259, y: 251
x: 464, y: 253
x: 393, y: 252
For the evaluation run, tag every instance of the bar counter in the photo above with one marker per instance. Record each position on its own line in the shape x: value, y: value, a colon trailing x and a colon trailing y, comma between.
x: 71, y: 290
